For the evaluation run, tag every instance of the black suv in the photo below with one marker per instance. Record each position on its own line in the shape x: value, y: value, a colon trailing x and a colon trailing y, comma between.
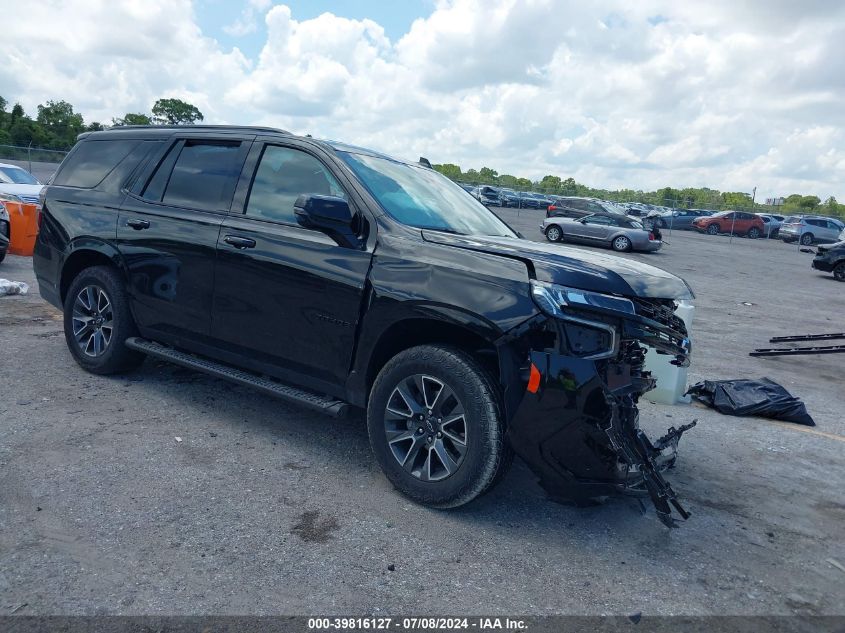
x: 339, y: 278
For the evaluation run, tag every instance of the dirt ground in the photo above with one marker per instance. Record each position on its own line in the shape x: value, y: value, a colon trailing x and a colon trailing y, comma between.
x: 167, y: 492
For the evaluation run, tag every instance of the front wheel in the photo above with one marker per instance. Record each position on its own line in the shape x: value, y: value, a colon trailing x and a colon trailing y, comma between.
x: 621, y: 244
x: 839, y: 271
x: 97, y: 322
x: 807, y: 239
x: 753, y: 233
x: 553, y: 233
x: 713, y: 229
x: 436, y: 427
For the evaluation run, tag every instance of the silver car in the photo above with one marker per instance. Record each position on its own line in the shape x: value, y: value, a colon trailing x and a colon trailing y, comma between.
x: 810, y: 228
x: 619, y: 232
x: 773, y: 223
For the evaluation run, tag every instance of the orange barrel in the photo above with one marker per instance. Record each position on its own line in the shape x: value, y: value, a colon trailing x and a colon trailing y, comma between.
x: 23, y: 227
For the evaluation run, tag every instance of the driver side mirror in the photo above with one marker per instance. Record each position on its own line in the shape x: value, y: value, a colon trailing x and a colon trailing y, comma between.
x: 330, y: 215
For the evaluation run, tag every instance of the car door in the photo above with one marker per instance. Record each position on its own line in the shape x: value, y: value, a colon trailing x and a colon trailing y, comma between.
x: 831, y: 231
x: 595, y: 228
x: 167, y: 233
x: 288, y: 297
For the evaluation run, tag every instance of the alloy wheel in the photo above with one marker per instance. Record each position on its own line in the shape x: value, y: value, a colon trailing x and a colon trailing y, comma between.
x: 553, y: 234
x: 621, y: 243
x: 839, y: 272
x: 93, y: 321
x: 426, y: 427
x: 806, y: 239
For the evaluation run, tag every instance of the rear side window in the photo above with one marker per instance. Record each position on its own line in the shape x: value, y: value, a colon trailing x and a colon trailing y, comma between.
x: 204, y: 175
x: 92, y: 161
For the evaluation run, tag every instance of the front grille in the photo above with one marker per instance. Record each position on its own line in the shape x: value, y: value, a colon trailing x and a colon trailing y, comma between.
x: 662, y: 311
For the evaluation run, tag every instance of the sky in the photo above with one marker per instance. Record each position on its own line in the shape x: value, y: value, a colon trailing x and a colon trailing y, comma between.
x: 728, y: 94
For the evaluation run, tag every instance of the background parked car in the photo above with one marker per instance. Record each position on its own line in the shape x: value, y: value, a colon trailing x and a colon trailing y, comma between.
x: 738, y: 222
x: 773, y: 223
x: 831, y: 258
x: 810, y: 228
x: 486, y: 195
x: 613, y: 230
x: 680, y: 219
x: 572, y: 207
x: 508, y: 198
x: 531, y: 200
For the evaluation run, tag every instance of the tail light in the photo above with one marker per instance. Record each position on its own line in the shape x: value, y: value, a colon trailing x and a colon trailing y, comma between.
x: 550, y: 209
x: 651, y: 237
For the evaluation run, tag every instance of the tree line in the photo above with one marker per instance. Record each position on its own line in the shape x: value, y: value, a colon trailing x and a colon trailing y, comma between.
x: 688, y: 197
x: 56, y: 125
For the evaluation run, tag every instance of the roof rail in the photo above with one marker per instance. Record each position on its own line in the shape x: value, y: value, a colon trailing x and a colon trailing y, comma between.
x: 256, y: 128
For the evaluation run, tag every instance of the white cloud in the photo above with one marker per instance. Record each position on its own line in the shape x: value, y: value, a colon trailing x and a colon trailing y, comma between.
x: 613, y: 93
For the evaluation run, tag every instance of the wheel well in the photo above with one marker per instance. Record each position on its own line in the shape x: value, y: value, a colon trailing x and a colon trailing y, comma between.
x: 76, y: 263
x: 412, y: 332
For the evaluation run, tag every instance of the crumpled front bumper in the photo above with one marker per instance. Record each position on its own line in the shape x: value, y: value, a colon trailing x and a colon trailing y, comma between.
x: 577, y: 425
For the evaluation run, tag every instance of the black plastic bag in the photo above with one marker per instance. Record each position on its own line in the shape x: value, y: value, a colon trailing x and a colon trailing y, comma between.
x: 764, y: 398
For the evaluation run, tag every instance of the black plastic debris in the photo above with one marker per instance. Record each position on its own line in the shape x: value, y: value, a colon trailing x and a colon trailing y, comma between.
x: 764, y: 398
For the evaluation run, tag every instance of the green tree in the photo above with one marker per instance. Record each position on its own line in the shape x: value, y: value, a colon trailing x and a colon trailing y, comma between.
x: 175, y: 112
x: 449, y: 170
x: 550, y: 184
x: 506, y: 180
x: 472, y: 176
x: 132, y: 118
x: 488, y: 176
x: 60, y: 122
x: 523, y: 183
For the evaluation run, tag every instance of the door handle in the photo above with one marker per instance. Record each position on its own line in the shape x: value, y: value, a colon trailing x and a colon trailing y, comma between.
x: 138, y: 225
x: 239, y: 242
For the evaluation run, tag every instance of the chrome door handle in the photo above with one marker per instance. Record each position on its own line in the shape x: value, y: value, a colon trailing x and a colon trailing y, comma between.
x: 137, y: 224
x: 239, y: 242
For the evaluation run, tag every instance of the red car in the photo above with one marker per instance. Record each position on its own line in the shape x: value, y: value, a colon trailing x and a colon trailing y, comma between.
x: 739, y: 222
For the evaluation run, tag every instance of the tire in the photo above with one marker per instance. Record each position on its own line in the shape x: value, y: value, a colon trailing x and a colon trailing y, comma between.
x: 98, y: 295
x: 807, y: 239
x: 426, y: 478
x: 753, y: 233
x: 2, y: 256
x: 621, y: 244
x: 713, y: 229
x: 839, y: 271
x: 553, y: 233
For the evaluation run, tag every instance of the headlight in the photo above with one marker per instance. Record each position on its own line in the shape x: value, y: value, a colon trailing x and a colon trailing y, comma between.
x: 585, y: 337
x: 552, y: 299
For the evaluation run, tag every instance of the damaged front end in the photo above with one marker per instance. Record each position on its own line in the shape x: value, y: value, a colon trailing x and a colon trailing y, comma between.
x: 576, y: 421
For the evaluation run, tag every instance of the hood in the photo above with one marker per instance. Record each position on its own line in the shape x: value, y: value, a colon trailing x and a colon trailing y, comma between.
x: 23, y: 191
x: 575, y: 267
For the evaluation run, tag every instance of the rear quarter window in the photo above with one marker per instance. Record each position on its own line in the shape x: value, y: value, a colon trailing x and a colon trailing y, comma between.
x: 89, y: 164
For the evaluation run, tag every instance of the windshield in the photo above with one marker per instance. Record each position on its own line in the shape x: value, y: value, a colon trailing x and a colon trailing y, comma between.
x: 17, y: 176
x: 423, y: 198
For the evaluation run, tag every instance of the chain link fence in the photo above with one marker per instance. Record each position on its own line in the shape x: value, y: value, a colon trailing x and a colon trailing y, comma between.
x: 41, y: 162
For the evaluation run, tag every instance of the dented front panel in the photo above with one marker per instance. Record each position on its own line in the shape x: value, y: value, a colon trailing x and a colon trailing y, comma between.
x: 577, y: 425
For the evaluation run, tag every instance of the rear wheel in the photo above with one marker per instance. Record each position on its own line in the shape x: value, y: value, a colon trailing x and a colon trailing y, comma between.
x: 553, y: 233
x: 621, y: 244
x: 435, y: 426
x: 97, y: 322
x: 753, y: 233
x: 713, y: 229
x: 839, y: 271
x: 807, y: 239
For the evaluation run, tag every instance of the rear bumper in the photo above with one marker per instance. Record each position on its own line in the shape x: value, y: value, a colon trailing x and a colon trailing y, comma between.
x: 650, y: 246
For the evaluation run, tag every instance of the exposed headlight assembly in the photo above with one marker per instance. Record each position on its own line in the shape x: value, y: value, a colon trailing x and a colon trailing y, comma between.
x: 586, y: 338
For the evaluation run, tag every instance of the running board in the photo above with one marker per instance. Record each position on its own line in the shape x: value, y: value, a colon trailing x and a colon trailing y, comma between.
x: 324, y: 404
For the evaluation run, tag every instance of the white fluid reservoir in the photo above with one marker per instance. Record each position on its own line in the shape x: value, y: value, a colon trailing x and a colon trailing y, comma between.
x: 671, y: 379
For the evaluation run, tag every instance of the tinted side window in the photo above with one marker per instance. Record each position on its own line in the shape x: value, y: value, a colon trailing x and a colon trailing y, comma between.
x: 815, y: 222
x: 92, y: 161
x: 282, y: 176
x: 204, y: 175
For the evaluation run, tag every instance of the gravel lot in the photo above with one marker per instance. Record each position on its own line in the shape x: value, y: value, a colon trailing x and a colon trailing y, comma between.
x: 264, y: 508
